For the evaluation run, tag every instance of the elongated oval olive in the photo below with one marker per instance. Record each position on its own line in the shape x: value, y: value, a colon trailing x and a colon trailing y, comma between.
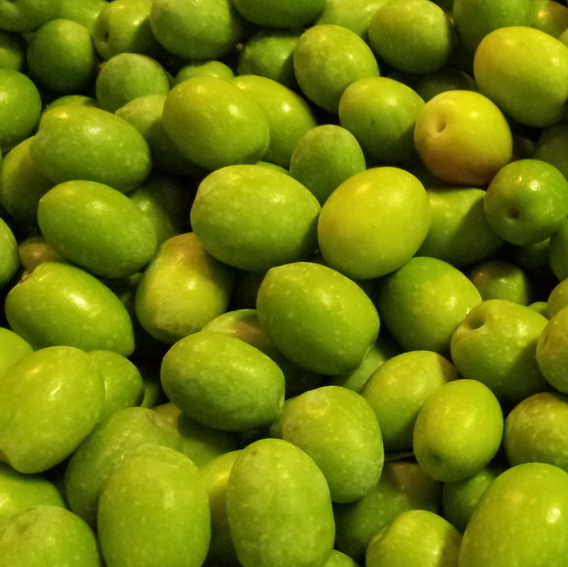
x: 97, y: 227
x: 279, y: 507
x: 70, y: 307
x: 82, y: 142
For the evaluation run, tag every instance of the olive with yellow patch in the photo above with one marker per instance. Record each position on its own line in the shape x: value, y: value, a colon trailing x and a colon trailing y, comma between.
x: 182, y: 289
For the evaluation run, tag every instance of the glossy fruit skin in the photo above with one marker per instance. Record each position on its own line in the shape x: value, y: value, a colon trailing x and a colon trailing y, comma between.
x: 424, y: 301
x: 27, y: 15
x: 169, y: 311
x: 557, y: 251
x: 81, y: 142
x: 9, y: 258
x: 202, y: 444
x: 557, y: 298
x: 288, y: 115
x: 222, y: 382
x: 308, y: 311
x: 497, y: 279
x: 72, y: 308
x: 213, y: 68
x: 97, y: 227
x: 269, y: 53
x: 398, y: 389
x: 359, y: 221
x: 84, y: 13
x: 197, y: 30
x: 253, y: 218
x: 338, y: 559
x: 124, y: 26
x: 339, y: 430
x: 73, y: 100
x: 52, y: 399
x: 460, y: 498
x: 145, y: 114
x: 12, y: 51
x: 459, y: 232
x: 397, y: 545
x: 540, y: 307
x: 463, y: 138
x: 447, y: 78
x: 527, y: 201
x: 276, y: 490
x: 127, y: 76
x: 536, y: 97
x: 244, y: 324
x: 415, y: 36
x: 467, y: 437
x: 381, y: 113
x: 551, y: 350
x: 20, y: 109
x: 327, y: 59
x: 22, y: 184
x: 501, y: 337
x: 216, y: 476
x: 403, y: 486
x: 48, y: 536
x: 356, y: 16
x: 164, y: 199
x: 123, y: 383
x: 168, y: 483
x: 534, y: 430
x: 214, y: 124
x: 474, y: 19
x: 550, y: 18
x: 273, y: 14
x: 61, y: 57
x: 175, y: 285
x: 520, y: 519
x: 113, y: 439
x: 324, y: 158
x: 21, y: 491
x: 12, y: 348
